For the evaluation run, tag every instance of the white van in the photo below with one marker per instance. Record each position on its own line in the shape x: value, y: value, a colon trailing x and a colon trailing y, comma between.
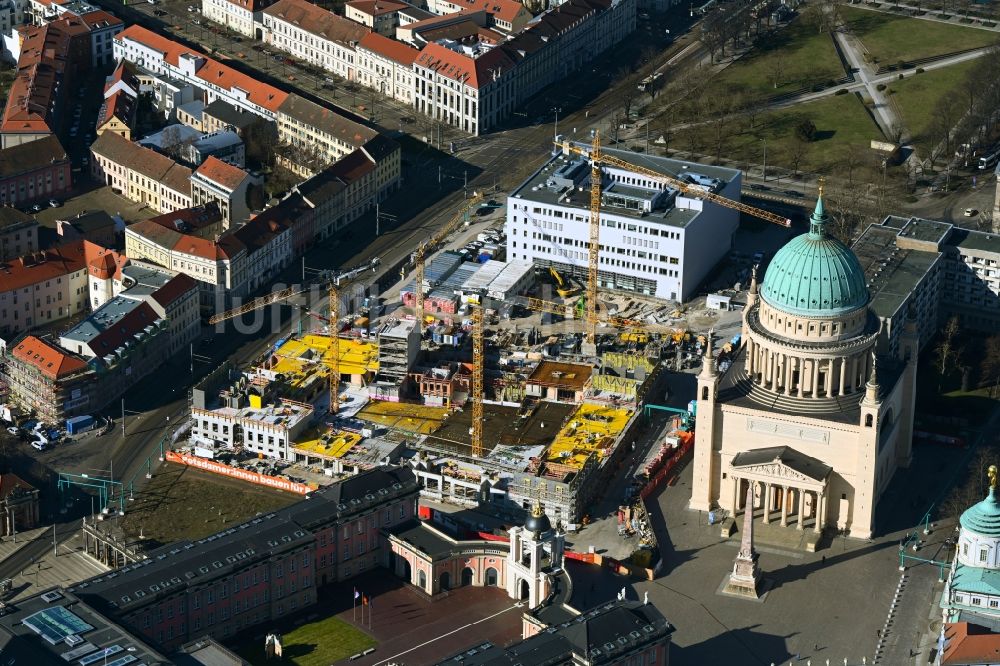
x: 988, y: 161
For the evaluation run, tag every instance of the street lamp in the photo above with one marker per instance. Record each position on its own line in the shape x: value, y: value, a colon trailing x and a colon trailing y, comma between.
x: 764, y: 168
x: 555, y: 132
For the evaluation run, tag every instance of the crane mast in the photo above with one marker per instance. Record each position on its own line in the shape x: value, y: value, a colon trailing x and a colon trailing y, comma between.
x: 595, y: 237
x: 478, y: 359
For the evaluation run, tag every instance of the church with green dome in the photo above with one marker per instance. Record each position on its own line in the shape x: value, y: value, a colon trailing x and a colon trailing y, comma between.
x: 814, y: 415
x: 972, y: 589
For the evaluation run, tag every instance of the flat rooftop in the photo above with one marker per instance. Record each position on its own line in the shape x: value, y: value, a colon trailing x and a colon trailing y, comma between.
x: 283, y: 415
x: 531, y: 426
x: 300, y: 357
x: 56, y: 627
x: 99, y: 321
x: 891, y: 272
x: 333, y: 444
x: 591, y: 431
x: 571, y: 376
x: 920, y: 229
x: 398, y: 328
x: 406, y: 417
x: 965, y: 239
x: 536, y: 187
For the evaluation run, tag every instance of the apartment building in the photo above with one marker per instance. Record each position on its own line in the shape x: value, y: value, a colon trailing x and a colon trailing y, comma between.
x: 245, y: 421
x: 381, y: 16
x: 314, y: 35
x: 971, y: 284
x: 34, y: 172
x: 242, y: 16
x: 227, y: 267
x: 174, y: 63
x: 54, y: 284
x: 18, y: 234
x: 120, y: 342
x: 471, y: 92
x: 386, y: 66
x: 263, y: 570
x: 216, y: 264
x: 655, y: 240
x: 224, y: 184
x: 312, y: 137
x: 102, y: 27
x: 49, y: 57
x: 476, y: 85
x: 121, y: 102
x: 508, y: 16
x: 140, y: 174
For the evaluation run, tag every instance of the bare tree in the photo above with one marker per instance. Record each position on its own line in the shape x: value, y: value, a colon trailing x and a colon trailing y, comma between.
x: 776, y: 71
x: 798, y: 151
x: 946, y: 352
x: 853, y: 157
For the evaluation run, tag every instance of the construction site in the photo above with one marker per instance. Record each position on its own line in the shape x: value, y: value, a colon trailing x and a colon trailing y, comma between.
x: 503, y: 383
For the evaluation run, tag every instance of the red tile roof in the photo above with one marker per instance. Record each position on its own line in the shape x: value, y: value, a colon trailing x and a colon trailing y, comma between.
x: 221, y: 173
x: 178, y: 286
x: 119, y: 105
x: 389, y: 48
x: 11, y: 482
x: 170, y: 50
x: 53, y: 362
x: 473, y: 72
x: 160, y: 230
x: 122, y: 332
x: 377, y: 7
x: 505, y: 10
x: 50, y: 264
x: 125, y: 74
x: 211, y: 71
x: 970, y: 644
x: 100, y: 19
x: 318, y: 21
x: 250, y: 5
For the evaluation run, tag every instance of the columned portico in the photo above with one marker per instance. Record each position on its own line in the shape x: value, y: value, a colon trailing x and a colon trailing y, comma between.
x: 785, y: 480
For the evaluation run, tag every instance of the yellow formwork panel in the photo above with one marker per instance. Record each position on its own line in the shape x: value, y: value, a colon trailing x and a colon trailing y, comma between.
x: 334, y: 445
x: 357, y: 357
x: 418, y: 419
x: 591, y: 430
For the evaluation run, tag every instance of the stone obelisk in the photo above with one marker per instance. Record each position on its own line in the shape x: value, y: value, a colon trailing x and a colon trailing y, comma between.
x: 745, y: 579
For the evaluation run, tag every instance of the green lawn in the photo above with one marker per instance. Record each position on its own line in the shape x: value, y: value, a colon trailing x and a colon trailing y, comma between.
x: 918, y: 94
x: 796, y: 56
x: 840, y: 120
x: 892, y: 38
x: 319, y: 643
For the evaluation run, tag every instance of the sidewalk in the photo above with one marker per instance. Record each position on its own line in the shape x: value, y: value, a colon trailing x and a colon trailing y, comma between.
x: 11, y: 544
x: 69, y: 567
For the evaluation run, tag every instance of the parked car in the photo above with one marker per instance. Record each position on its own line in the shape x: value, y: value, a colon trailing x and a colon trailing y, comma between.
x: 54, y: 203
x: 971, y: 212
x: 12, y: 430
x: 36, y: 208
x: 38, y: 444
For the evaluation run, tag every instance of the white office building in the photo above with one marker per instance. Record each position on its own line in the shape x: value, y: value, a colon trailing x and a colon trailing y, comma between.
x: 654, y: 239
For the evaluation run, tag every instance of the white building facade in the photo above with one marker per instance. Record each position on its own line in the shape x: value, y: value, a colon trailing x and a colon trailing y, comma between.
x: 654, y: 240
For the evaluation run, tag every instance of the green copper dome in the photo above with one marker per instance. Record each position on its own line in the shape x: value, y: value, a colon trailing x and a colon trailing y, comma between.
x: 983, y: 518
x: 815, y: 275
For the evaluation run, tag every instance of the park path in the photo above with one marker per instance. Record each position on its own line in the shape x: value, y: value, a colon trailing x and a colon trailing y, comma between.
x: 932, y: 15
x: 888, y: 120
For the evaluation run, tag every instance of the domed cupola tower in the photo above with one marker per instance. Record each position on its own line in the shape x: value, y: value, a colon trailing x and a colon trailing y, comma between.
x: 802, y: 415
x: 810, y: 332
x: 972, y: 591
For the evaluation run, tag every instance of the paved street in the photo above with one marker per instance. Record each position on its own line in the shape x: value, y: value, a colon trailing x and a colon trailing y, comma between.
x: 44, y: 568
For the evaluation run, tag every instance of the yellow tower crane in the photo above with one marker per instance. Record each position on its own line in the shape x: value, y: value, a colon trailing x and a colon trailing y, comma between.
x: 426, y: 248
x: 478, y: 360
x: 597, y: 159
x: 332, y: 321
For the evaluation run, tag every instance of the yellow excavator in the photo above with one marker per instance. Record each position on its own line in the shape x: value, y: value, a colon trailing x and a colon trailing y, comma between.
x: 563, y: 288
